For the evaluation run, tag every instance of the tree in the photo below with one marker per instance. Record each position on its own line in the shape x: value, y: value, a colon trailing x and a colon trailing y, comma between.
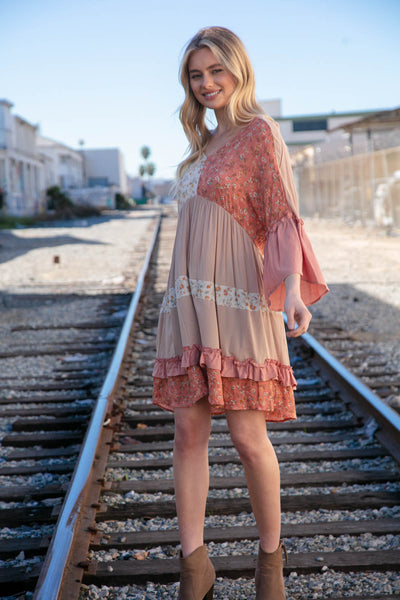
x: 148, y: 168
x: 145, y: 152
x: 151, y: 169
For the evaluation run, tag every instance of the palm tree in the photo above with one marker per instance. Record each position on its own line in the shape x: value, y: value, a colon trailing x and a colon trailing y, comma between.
x: 151, y: 169
x: 148, y: 168
x: 145, y: 152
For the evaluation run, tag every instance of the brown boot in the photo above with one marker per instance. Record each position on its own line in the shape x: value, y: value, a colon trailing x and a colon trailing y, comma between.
x: 269, y: 574
x: 197, y: 576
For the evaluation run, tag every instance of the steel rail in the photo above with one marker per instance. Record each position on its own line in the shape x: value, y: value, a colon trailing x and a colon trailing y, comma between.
x: 387, y: 418
x: 51, y: 576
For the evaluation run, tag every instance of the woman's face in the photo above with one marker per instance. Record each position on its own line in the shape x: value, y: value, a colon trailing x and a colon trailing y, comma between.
x: 211, y: 83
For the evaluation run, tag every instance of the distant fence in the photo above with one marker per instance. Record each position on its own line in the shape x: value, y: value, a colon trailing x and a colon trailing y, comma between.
x: 98, y: 196
x: 363, y: 188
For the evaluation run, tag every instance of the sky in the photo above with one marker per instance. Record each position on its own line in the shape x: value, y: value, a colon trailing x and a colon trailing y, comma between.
x: 106, y: 71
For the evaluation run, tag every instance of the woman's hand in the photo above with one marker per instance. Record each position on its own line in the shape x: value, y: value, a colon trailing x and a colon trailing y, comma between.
x: 295, y: 309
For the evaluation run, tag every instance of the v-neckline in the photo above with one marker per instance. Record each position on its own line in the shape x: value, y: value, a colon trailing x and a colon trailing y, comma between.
x: 207, y: 156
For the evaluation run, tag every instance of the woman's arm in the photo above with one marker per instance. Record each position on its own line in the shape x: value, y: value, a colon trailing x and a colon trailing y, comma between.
x: 287, y: 248
x: 295, y: 309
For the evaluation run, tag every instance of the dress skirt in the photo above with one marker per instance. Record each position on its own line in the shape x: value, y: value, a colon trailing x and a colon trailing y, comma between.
x: 216, y: 336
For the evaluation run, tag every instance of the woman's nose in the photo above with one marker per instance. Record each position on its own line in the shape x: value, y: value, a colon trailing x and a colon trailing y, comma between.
x: 207, y: 80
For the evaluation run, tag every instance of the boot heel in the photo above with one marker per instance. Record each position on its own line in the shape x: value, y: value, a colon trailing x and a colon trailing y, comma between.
x: 210, y: 594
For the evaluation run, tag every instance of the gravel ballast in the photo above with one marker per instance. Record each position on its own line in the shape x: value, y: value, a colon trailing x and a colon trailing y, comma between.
x: 98, y: 257
x: 361, y: 266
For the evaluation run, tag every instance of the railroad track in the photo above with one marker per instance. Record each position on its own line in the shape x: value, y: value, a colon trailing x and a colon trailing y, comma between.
x: 340, y: 487
x: 362, y: 358
x: 44, y: 410
x: 54, y: 351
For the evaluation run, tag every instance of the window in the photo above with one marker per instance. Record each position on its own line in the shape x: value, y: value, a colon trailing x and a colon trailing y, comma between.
x: 94, y: 181
x: 310, y: 125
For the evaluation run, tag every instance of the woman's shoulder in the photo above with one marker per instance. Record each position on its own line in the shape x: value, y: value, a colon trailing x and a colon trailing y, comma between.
x: 265, y: 123
x: 264, y: 133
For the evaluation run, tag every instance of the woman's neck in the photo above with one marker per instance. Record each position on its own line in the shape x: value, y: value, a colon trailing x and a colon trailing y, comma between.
x: 225, y: 125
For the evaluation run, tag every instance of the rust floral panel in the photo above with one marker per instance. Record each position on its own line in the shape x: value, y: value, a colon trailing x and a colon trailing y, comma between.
x: 244, y: 179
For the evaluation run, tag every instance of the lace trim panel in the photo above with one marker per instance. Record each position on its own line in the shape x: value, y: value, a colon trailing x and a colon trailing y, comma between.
x: 222, y: 295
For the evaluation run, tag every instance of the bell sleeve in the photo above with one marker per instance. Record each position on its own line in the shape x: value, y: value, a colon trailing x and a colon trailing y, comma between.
x: 287, y: 249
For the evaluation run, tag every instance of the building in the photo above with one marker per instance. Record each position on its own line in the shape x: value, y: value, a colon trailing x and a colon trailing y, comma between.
x: 105, y: 167
x: 135, y: 187
x: 376, y: 131
x: 31, y: 163
x: 302, y: 130
x: 21, y: 168
x: 63, y: 166
x: 354, y: 174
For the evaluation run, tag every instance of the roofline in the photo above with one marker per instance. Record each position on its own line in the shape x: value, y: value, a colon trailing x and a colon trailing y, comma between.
x: 56, y: 143
x: 369, y: 119
x: 105, y: 148
x: 6, y: 102
x: 25, y: 122
x: 317, y: 116
x: 305, y: 143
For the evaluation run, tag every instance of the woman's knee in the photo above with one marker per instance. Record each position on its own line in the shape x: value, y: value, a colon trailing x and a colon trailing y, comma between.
x: 192, y: 431
x: 189, y: 436
x: 250, y: 440
x: 248, y: 448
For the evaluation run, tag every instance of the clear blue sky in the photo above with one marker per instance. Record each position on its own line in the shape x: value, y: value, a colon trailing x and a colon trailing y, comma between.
x: 105, y: 71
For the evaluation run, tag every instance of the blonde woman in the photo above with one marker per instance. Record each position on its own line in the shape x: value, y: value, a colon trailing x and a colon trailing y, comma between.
x: 240, y: 258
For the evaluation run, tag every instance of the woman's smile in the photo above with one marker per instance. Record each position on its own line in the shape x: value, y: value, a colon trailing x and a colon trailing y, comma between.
x: 211, y: 94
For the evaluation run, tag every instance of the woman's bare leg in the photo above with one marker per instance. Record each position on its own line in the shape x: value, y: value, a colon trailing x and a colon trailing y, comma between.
x: 191, y: 475
x: 249, y: 435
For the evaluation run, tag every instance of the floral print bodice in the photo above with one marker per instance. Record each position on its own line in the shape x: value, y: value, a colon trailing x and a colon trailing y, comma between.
x: 243, y: 177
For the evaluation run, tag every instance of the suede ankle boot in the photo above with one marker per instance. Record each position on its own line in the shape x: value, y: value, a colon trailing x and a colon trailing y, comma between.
x: 197, y: 576
x: 269, y: 574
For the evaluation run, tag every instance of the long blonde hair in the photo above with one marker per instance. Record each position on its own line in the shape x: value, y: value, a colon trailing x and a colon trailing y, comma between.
x: 242, y: 106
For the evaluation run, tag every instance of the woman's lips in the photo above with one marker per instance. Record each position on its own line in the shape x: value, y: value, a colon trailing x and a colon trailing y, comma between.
x: 211, y: 94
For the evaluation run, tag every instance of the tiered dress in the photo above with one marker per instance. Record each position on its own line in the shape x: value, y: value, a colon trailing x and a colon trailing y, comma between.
x: 221, y: 332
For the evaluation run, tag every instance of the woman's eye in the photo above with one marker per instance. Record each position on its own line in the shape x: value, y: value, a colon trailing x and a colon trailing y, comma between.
x: 217, y: 71
x: 195, y: 76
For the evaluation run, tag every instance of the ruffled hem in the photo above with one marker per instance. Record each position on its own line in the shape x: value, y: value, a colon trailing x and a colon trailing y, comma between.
x: 227, y: 366
x: 288, y: 250
x: 224, y: 393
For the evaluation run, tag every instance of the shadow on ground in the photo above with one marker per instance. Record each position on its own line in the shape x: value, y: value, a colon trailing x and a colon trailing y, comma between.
x: 368, y: 318
x: 105, y: 217
x: 12, y: 245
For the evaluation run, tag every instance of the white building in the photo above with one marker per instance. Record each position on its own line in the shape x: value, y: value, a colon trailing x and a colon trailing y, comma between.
x: 21, y: 169
x: 299, y: 131
x: 63, y: 165
x: 105, y: 167
x: 135, y: 187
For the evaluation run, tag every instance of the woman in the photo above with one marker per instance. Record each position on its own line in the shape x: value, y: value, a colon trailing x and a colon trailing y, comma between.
x: 240, y: 258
